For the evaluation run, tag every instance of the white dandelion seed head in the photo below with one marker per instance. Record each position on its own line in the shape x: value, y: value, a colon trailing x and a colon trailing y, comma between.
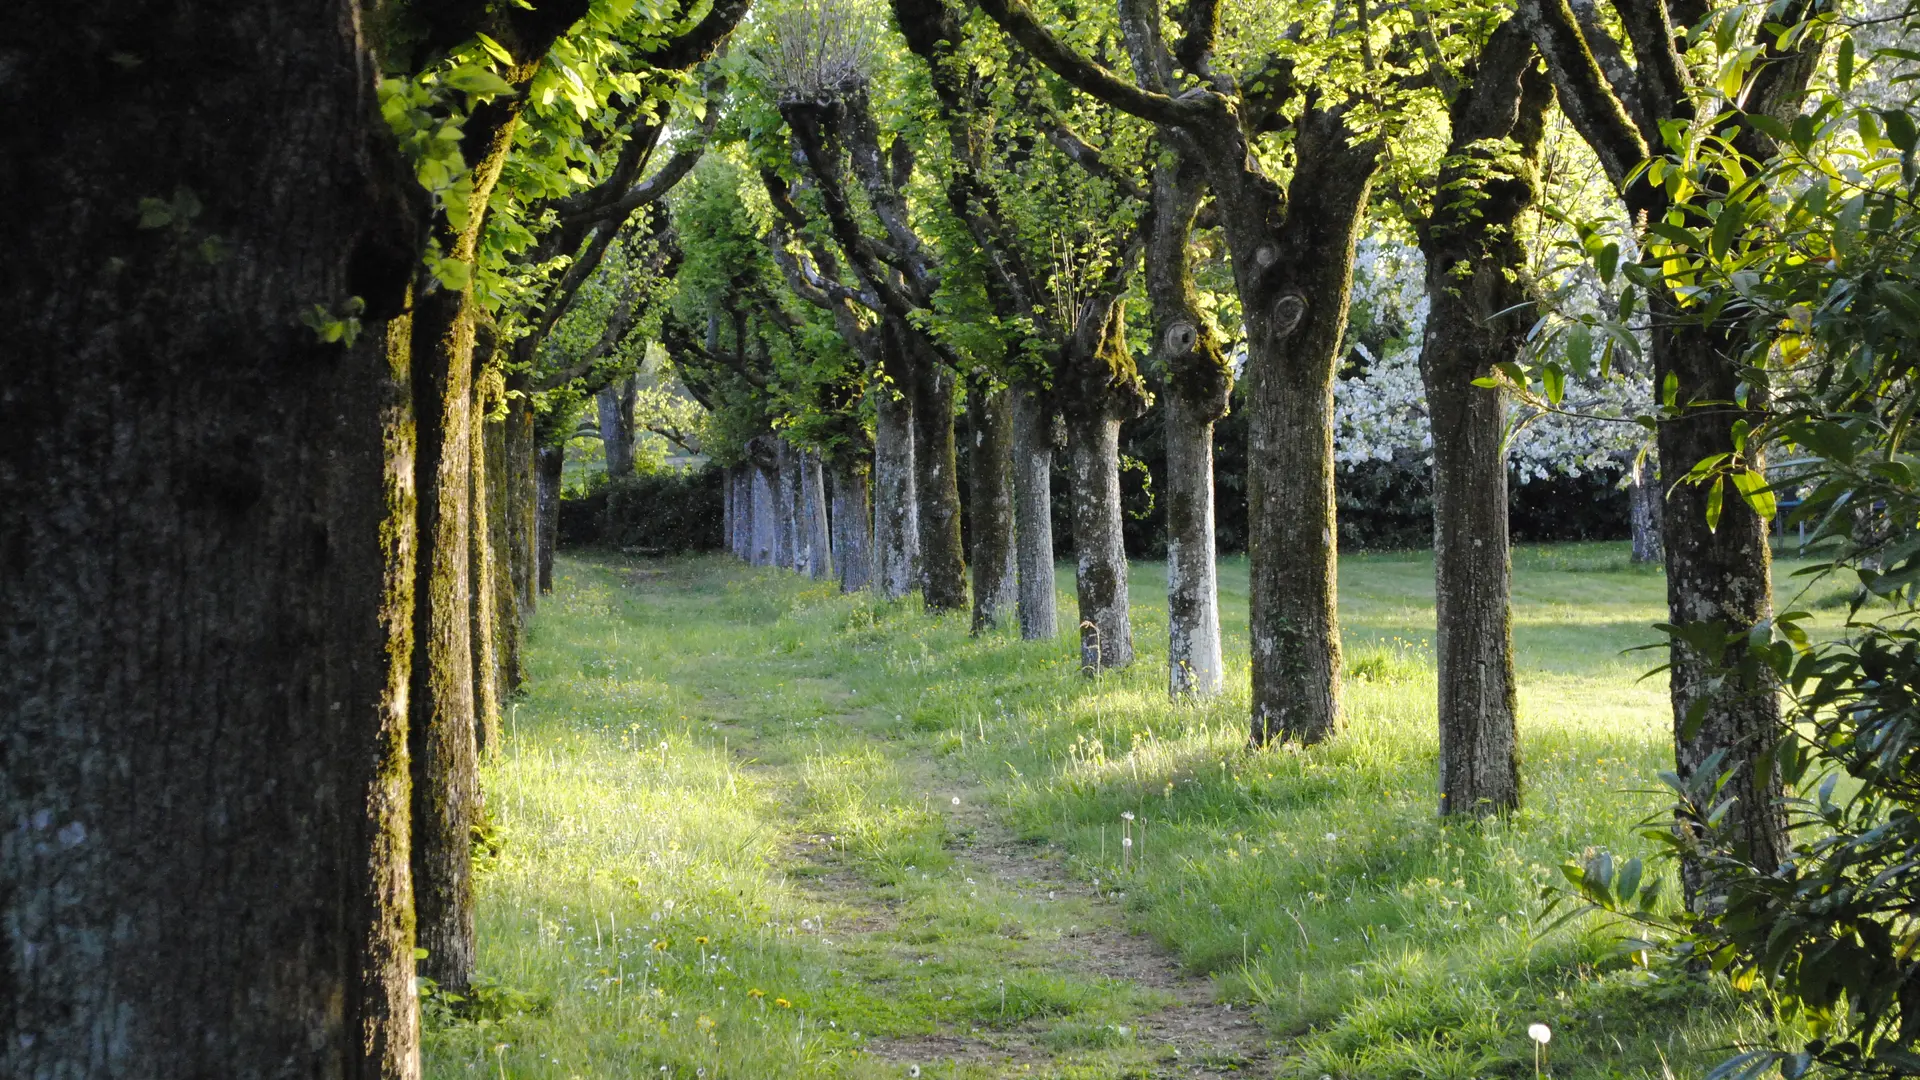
x: 1127, y: 815
x: 956, y: 800
x: 1333, y: 836
x: 1540, y: 1033
x: 1126, y: 841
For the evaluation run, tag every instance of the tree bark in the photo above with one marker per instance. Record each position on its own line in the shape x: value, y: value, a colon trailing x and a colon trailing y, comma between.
x: 896, y: 522
x: 205, y: 551
x: 506, y: 598
x: 990, y: 423
x: 819, y: 523
x: 1294, y: 283
x: 1100, y: 578
x: 482, y: 608
x: 1099, y: 389
x: 1199, y: 386
x: 441, y: 738
x: 780, y: 481
x: 1646, y: 508
x: 1726, y: 708
x: 523, y: 502
x: 936, y: 484
x: 766, y: 502
x: 553, y: 462
x: 1033, y: 513
x: 1480, y: 299
x: 614, y: 404
x: 852, y: 524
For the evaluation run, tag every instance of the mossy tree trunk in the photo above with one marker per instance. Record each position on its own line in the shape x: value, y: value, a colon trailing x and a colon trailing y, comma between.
x: 1100, y: 389
x: 1480, y: 301
x: 896, y: 522
x: 482, y: 609
x: 819, y: 523
x: 614, y: 408
x: 523, y: 506
x: 936, y: 485
x: 506, y: 601
x: 1199, y: 386
x: 1294, y: 272
x: 853, y: 523
x: 990, y: 485
x: 1032, y: 454
x: 552, y: 465
x: 207, y: 522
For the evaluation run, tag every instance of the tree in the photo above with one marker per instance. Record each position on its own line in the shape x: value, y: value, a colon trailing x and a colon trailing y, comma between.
x: 208, y: 519
x: 1480, y: 296
x: 1292, y: 252
x: 1718, y: 559
x: 1071, y: 322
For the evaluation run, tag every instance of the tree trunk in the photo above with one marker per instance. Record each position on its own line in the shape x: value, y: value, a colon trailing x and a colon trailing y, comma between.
x: 936, y: 483
x: 786, y: 529
x: 441, y: 739
x: 896, y: 524
x: 852, y: 517
x: 614, y: 404
x: 766, y: 514
x: 506, y: 600
x: 1199, y: 386
x: 819, y: 520
x: 553, y: 463
x: 1033, y: 513
x: 523, y: 509
x: 1719, y: 577
x: 1646, y: 508
x: 743, y: 512
x: 1294, y: 284
x: 482, y: 605
x: 1194, y: 664
x: 206, y: 524
x: 990, y: 422
x: 1100, y: 578
x: 1480, y: 300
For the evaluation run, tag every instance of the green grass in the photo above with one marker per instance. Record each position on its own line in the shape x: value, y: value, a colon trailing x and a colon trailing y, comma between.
x: 710, y: 751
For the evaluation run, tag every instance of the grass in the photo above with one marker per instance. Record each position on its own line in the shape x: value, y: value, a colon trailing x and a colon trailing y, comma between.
x: 720, y: 852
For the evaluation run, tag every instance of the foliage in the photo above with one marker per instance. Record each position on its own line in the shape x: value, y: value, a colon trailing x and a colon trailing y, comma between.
x: 1798, y: 238
x: 669, y: 512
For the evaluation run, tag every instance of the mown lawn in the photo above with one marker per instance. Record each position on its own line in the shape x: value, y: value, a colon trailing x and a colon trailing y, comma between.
x: 691, y: 721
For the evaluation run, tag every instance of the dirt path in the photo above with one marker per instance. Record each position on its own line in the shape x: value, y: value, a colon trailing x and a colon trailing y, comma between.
x: 1188, y: 1036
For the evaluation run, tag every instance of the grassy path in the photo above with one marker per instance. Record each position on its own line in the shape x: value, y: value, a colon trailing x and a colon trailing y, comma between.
x: 746, y: 827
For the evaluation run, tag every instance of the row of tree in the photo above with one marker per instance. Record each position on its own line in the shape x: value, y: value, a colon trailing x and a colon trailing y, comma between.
x: 304, y: 305
x: 952, y: 205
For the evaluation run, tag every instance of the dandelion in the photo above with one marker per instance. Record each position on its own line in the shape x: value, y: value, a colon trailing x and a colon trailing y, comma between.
x: 913, y: 1070
x: 1126, y: 815
x: 783, y: 1003
x: 701, y: 940
x: 659, y: 946
x: 956, y: 800
x: 1541, y: 1035
x: 704, y: 1023
x: 1332, y: 836
x: 756, y: 993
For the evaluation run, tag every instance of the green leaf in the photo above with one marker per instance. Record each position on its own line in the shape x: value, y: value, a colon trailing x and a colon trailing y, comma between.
x: 1554, y: 378
x: 477, y: 80
x: 1900, y: 129
x: 1753, y: 488
x: 1844, y: 64
x: 1579, y: 351
x: 1670, y: 390
x: 494, y: 49
x: 1628, y: 882
x: 1715, y: 495
x: 1608, y: 260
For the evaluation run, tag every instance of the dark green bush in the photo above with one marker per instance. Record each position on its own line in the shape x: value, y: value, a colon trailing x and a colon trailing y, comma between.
x: 663, y: 513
